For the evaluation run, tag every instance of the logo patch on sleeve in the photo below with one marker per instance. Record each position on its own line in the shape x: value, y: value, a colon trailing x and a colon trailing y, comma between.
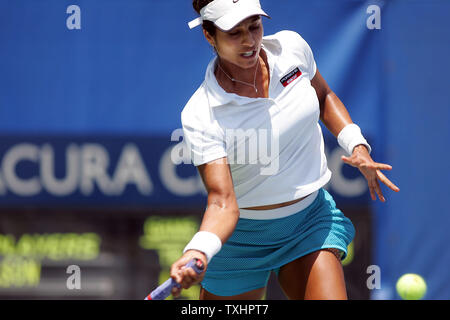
x: 291, y: 76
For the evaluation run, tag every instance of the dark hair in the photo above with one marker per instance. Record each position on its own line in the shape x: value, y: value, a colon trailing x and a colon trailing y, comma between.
x: 207, y: 25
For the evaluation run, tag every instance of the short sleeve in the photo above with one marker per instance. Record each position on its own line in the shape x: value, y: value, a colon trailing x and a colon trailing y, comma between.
x: 304, y: 51
x: 311, y: 62
x: 203, y: 139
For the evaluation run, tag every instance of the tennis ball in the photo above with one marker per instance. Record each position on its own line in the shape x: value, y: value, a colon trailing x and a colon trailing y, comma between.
x: 411, y: 286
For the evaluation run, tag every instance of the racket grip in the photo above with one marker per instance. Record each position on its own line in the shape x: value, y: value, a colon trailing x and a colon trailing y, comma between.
x: 164, y: 290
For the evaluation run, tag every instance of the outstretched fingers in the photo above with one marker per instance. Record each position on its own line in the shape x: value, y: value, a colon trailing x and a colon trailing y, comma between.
x: 387, y: 182
x: 348, y: 160
x: 382, y: 166
x: 372, y: 171
x: 379, y: 192
x: 374, y: 188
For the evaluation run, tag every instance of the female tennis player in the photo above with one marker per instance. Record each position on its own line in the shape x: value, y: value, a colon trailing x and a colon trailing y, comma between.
x: 267, y: 215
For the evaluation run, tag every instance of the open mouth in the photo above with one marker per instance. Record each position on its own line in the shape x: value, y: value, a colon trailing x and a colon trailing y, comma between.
x: 249, y: 54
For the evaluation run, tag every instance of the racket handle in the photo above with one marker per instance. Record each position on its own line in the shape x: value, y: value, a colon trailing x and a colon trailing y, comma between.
x: 164, y: 290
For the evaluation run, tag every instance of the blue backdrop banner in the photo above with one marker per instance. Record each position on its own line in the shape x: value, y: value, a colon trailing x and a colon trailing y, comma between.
x: 91, y: 93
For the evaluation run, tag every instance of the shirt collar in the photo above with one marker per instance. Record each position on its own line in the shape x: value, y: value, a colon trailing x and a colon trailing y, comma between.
x: 217, y: 96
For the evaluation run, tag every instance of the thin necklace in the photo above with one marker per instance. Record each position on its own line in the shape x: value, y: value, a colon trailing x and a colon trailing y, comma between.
x: 246, y: 83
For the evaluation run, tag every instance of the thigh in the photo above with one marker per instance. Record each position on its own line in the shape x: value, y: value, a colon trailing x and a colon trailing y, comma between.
x: 256, y: 294
x: 316, y: 276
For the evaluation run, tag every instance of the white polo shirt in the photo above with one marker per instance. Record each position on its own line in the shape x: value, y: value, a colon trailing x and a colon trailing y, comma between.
x: 274, y: 145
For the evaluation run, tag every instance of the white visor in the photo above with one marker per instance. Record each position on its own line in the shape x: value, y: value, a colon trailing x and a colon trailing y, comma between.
x: 226, y: 14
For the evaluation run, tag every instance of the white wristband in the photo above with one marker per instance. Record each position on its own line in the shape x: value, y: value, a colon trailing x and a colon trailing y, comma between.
x: 206, y: 242
x: 350, y: 137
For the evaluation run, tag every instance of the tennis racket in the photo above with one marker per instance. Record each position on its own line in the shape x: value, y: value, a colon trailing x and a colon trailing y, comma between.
x: 164, y: 290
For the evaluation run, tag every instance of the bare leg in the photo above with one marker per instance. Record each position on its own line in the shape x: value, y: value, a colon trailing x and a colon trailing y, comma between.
x: 316, y: 276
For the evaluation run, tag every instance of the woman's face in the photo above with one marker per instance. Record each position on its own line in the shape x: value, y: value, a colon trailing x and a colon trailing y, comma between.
x: 241, y: 45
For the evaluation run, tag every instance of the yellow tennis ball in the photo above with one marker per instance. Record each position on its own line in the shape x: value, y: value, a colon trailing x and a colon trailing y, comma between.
x: 411, y: 286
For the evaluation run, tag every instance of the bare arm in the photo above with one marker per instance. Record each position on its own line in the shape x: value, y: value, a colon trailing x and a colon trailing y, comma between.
x: 335, y: 117
x: 222, y: 213
x: 220, y: 218
x: 333, y: 113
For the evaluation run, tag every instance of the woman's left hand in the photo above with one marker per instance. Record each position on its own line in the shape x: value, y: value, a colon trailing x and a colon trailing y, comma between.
x: 371, y: 170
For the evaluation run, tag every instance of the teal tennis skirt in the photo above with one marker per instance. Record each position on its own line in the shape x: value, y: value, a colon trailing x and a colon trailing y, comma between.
x: 258, y: 247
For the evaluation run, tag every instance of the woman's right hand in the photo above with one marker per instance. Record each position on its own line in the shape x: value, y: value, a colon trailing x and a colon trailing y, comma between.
x: 187, y: 277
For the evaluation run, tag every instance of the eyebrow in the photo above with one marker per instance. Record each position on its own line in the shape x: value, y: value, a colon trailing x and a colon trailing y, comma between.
x: 255, y: 19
